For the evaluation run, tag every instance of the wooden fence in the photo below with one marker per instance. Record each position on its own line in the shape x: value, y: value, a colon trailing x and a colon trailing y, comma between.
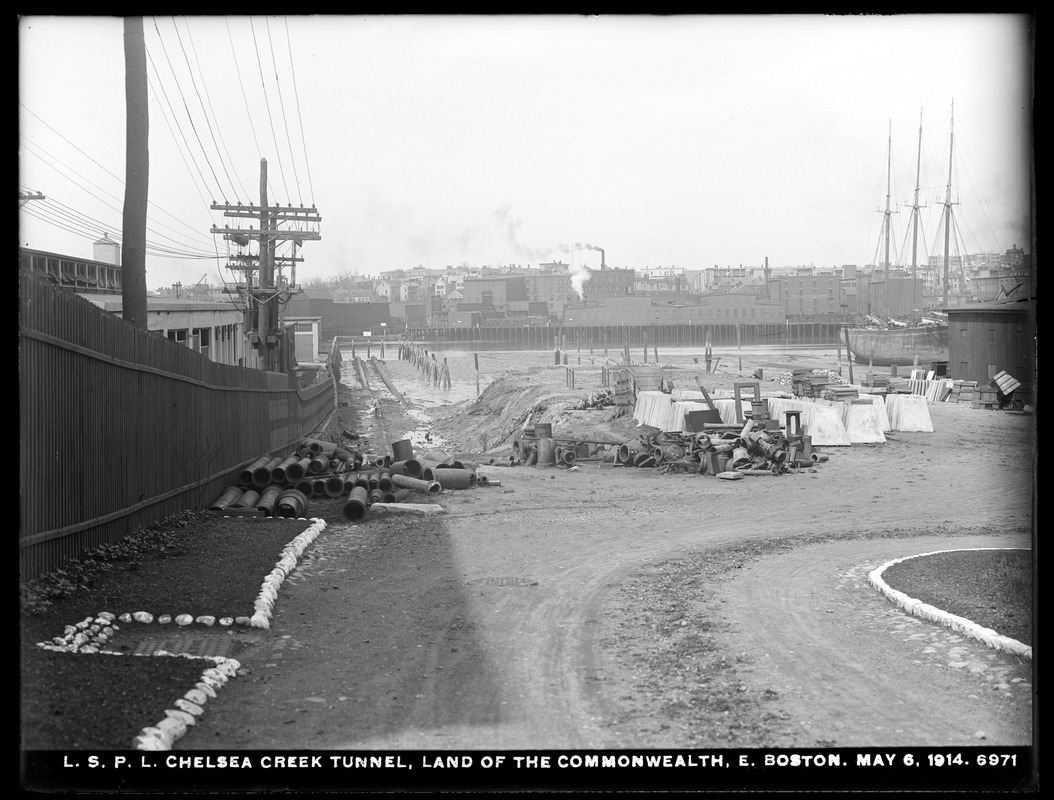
x: 120, y: 427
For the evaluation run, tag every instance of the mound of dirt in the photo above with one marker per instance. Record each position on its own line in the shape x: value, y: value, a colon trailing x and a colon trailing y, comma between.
x: 489, y: 424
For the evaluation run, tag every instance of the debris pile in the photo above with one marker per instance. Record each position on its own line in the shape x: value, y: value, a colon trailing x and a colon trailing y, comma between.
x: 759, y: 447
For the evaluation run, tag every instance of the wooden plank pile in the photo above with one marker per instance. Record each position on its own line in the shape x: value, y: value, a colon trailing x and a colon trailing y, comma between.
x: 841, y: 393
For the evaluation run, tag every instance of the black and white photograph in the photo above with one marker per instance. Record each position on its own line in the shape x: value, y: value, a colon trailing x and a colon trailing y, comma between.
x: 527, y: 402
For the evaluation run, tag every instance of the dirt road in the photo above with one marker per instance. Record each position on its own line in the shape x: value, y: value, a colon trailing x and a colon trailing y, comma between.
x: 611, y: 607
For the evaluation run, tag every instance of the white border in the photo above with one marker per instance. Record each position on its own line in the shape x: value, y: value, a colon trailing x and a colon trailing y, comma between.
x: 959, y: 624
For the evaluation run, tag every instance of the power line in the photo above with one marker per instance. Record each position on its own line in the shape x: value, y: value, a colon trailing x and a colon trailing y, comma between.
x: 205, y: 85
x: 190, y: 118
x: 270, y: 118
x: 31, y: 146
x: 195, y: 229
x: 241, y: 87
x: 285, y: 121
x: 300, y: 117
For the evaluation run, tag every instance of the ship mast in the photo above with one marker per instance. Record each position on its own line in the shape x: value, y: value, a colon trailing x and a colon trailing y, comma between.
x: 915, y: 222
x: 948, y: 206
x: 885, y: 264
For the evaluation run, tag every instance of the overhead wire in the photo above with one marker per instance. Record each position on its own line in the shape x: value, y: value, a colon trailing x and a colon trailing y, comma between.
x: 285, y: 119
x: 267, y: 102
x: 205, y: 86
x: 190, y: 118
x: 241, y: 87
x: 299, y: 116
x: 30, y: 144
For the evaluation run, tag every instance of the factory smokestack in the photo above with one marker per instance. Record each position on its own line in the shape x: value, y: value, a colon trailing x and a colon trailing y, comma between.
x: 602, y: 264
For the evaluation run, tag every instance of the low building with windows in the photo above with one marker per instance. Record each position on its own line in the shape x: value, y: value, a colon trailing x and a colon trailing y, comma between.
x: 214, y: 329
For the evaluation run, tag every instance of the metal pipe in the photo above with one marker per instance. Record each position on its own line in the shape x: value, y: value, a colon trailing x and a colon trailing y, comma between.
x: 384, y: 481
x: 375, y: 496
x: 246, y: 476
x: 406, y: 482
x: 230, y: 495
x: 298, y: 469
x: 262, y: 475
x: 291, y: 503
x: 358, y: 504
x: 247, y: 500
x: 452, y: 478
x: 396, y: 496
x: 278, y: 474
x: 305, y: 487
x: 546, y: 453
x: 268, y: 499
x: 318, y: 487
x: 410, y: 467
x: 317, y: 465
x: 334, y: 486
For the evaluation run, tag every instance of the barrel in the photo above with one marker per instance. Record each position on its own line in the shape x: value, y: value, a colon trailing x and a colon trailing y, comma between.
x: 402, y: 450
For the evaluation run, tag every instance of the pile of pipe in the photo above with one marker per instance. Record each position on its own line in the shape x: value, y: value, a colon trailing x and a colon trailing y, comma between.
x: 760, y: 447
x: 284, y: 486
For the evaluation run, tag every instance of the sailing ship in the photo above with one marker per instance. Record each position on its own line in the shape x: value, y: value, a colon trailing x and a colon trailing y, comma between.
x: 923, y: 340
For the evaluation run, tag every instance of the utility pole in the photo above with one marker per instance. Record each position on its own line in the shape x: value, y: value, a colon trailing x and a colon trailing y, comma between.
x: 25, y: 197
x: 264, y: 289
x: 137, y: 170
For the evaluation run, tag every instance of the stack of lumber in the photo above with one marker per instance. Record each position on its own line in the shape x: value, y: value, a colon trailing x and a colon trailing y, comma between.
x: 964, y: 392
x: 898, y: 386
x: 843, y: 393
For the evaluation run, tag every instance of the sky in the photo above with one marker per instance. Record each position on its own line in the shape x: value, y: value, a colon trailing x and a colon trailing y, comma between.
x: 666, y: 141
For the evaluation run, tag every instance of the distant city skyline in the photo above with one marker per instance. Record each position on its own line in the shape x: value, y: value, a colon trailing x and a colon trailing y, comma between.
x: 689, y: 140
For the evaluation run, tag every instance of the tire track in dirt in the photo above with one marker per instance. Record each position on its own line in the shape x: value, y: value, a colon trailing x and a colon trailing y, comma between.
x: 857, y: 671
